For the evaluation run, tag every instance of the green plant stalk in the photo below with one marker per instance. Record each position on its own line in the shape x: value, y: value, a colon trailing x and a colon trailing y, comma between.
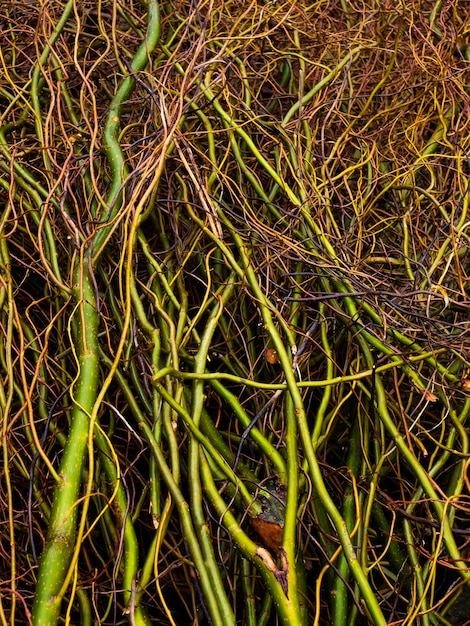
x: 189, y: 532
x: 39, y: 195
x: 156, y: 267
x: 209, y: 429
x: 287, y: 610
x: 130, y: 557
x: 195, y: 487
x: 395, y: 553
x: 208, y: 446
x: 316, y: 437
x: 289, y: 540
x: 154, y: 337
x: 112, y: 127
x: 268, y: 450
x: 322, y: 382
x: 36, y: 86
x: 148, y: 566
x: 23, y: 178
x: 264, y: 613
x: 85, y: 608
x: 246, y: 583
x: 456, y: 482
x: 339, y: 591
x: 107, y: 521
x: 59, y: 547
x: 326, y: 396
x: 37, y: 81
x: 419, y: 587
x: 370, y: 468
x: 349, y: 57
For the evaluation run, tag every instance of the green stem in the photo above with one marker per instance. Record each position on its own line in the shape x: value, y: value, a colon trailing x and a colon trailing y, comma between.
x: 57, y: 554
x: 197, y: 508
x: 339, y: 593
x: 112, y: 127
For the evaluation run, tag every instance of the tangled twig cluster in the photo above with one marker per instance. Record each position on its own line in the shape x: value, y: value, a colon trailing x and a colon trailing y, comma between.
x: 234, y: 309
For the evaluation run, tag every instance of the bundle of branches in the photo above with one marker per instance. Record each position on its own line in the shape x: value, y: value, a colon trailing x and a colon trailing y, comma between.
x: 234, y: 310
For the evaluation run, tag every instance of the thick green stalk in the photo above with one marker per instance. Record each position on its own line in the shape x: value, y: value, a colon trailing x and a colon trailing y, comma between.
x: 289, y: 541
x: 112, y: 127
x: 55, y: 560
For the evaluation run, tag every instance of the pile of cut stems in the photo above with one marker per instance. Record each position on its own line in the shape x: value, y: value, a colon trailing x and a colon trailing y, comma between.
x: 234, y: 305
